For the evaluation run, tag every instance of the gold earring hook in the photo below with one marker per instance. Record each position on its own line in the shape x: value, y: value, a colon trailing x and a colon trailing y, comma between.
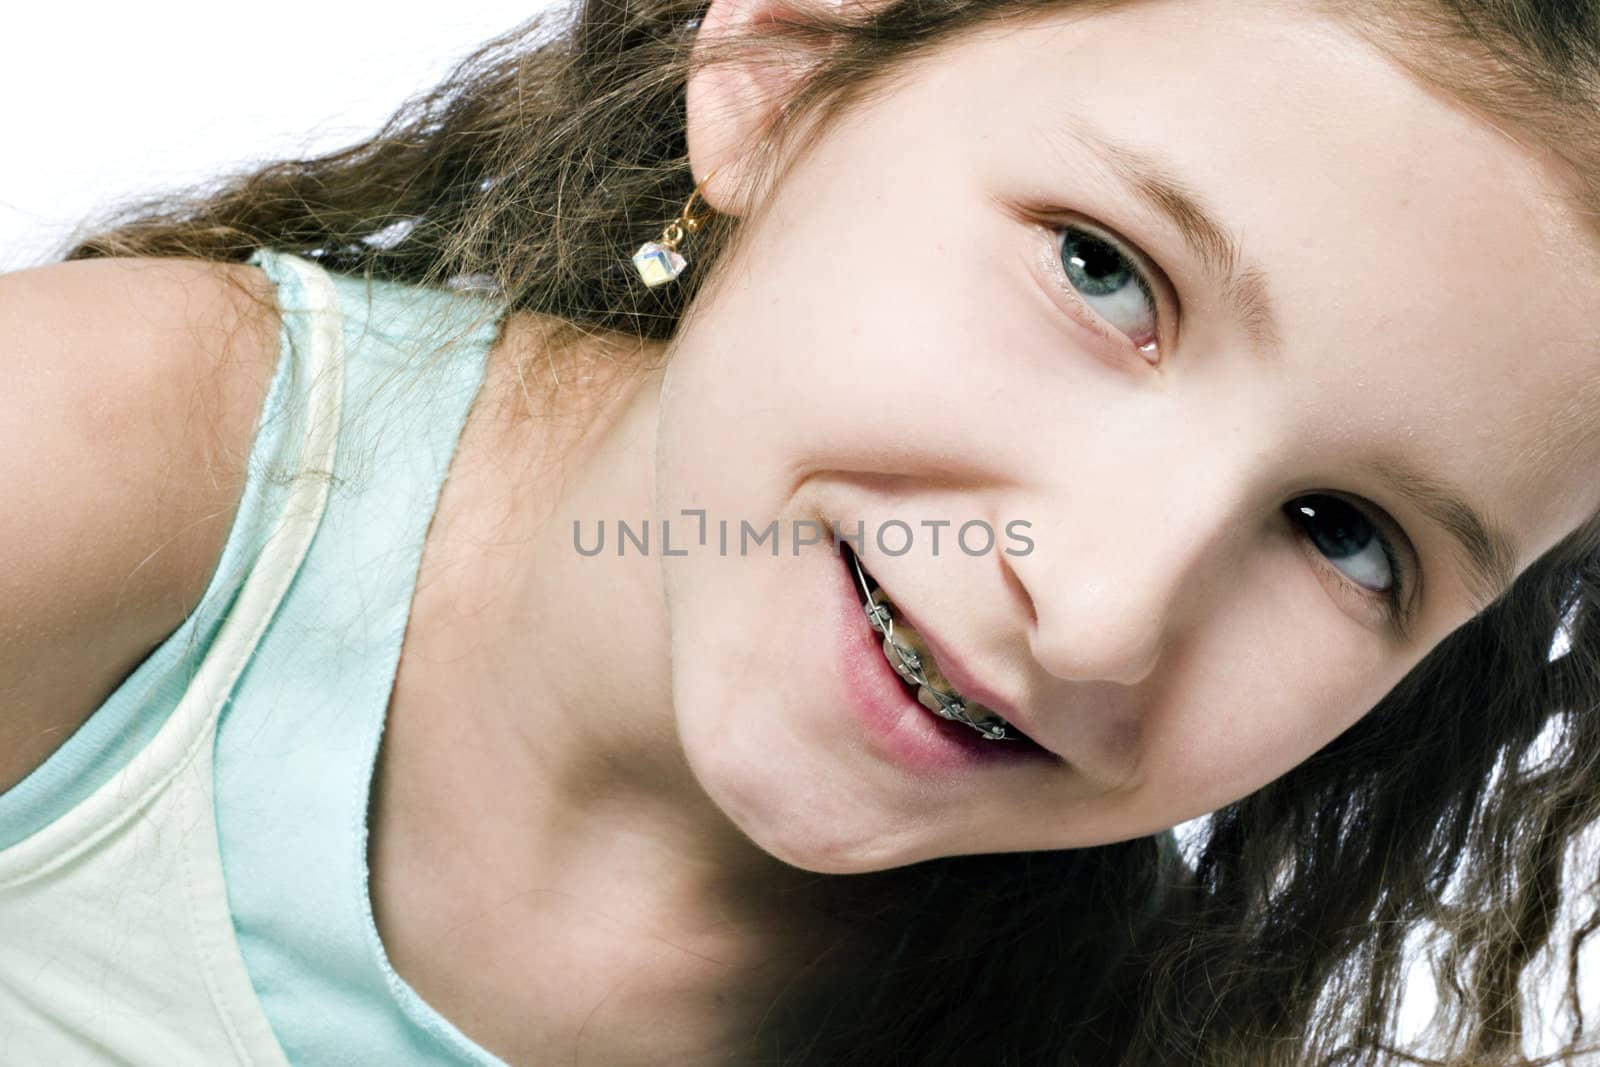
x: 686, y: 222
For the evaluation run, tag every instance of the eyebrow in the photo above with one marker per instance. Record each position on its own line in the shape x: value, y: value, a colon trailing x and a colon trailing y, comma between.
x: 1157, y: 184
x: 1485, y: 550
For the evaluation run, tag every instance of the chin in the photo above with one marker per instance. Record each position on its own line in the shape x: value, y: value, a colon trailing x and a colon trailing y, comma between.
x: 800, y: 809
x: 816, y: 849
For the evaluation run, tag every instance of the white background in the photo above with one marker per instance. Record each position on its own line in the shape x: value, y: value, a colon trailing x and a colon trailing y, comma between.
x: 102, y: 101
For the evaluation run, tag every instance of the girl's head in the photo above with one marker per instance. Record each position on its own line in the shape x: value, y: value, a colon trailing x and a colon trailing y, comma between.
x: 1282, y: 357
x: 1273, y: 323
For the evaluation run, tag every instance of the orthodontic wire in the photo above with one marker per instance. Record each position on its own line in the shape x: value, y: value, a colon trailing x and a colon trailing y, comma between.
x: 951, y: 708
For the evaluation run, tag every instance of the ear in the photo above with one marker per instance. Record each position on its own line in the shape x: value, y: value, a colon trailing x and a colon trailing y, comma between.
x: 729, y: 105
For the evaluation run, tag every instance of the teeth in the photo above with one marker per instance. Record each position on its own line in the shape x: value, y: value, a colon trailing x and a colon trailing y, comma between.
x: 905, y: 651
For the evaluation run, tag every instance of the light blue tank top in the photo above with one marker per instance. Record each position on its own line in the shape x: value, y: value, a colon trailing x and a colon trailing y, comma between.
x: 297, y: 739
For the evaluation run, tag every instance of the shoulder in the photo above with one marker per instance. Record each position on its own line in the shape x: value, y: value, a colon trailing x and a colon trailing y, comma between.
x: 133, y: 387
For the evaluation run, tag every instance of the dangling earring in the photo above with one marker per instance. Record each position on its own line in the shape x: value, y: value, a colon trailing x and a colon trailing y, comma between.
x: 658, y: 261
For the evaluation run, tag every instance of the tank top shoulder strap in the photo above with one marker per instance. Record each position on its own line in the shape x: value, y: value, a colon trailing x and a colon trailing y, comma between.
x: 297, y: 745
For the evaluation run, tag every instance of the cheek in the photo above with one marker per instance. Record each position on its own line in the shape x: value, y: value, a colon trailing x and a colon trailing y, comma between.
x: 1255, y: 711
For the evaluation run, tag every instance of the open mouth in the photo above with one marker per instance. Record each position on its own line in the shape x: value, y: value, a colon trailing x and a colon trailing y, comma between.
x: 966, y: 720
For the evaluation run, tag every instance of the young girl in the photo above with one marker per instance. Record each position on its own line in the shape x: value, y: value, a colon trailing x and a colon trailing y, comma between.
x: 807, y: 497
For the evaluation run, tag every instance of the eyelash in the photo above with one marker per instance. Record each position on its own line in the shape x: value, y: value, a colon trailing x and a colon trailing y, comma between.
x: 1094, y: 320
x: 1392, y: 601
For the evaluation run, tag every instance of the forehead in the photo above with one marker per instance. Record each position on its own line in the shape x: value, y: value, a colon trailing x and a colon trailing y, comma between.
x: 1436, y: 291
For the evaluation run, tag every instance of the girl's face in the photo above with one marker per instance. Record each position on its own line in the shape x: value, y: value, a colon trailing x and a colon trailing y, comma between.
x: 1215, y: 301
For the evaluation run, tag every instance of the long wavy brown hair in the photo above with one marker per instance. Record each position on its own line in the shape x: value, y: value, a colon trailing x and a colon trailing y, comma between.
x: 1446, y: 825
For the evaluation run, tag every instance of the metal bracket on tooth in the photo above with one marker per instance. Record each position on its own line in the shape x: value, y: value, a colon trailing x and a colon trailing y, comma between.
x: 955, y: 710
x: 910, y: 668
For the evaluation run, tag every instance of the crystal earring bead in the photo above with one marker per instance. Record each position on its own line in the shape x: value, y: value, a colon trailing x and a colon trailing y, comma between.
x: 659, y: 261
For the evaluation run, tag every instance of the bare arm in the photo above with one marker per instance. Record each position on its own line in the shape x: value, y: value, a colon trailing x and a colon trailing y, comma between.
x: 131, y: 389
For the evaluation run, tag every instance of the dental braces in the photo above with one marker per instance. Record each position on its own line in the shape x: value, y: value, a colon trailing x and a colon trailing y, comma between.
x: 910, y: 668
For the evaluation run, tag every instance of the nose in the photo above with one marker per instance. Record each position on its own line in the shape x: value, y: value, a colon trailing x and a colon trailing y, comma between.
x: 1107, y: 592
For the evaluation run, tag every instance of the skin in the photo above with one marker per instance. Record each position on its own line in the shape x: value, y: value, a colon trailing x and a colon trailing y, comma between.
x: 606, y: 782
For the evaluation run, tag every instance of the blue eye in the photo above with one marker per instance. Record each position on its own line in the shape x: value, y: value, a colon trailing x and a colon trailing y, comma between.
x: 1111, y: 285
x: 1353, y: 544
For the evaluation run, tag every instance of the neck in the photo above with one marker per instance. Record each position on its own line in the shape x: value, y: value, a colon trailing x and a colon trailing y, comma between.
x: 531, y: 791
